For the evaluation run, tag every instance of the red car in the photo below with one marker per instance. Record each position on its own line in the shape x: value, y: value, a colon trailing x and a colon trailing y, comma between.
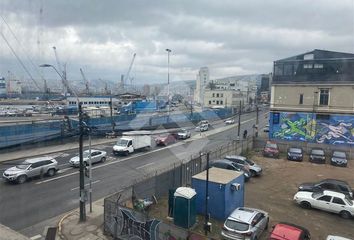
x: 288, y: 231
x: 271, y: 150
x: 164, y: 140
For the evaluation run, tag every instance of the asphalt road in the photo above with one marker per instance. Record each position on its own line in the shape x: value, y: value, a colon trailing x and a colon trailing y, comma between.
x: 23, y: 205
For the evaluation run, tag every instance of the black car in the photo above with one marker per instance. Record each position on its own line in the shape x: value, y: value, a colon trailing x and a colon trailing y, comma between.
x: 317, y: 155
x: 295, y: 154
x: 339, y: 158
x: 328, y: 184
x: 227, y: 164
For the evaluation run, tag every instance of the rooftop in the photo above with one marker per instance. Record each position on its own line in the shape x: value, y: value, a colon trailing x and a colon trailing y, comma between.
x: 218, y: 175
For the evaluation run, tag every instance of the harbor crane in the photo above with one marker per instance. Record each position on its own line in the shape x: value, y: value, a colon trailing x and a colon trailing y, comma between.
x: 87, y: 88
x: 126, y: 76
x: 66, y: 87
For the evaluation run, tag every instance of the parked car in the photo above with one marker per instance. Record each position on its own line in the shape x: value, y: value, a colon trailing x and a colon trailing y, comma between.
x: 202, y: 128
x: 266, y: 128
x: 326, y: 200
x: 227, y: 164
x: 317, y: 155
x: 245, y: 223
x: 229, y: 121
x: 271, y: 150
x: 339, y: 158
x: 328, y: 184
x: 96, y: 156
x: 183, y: 134
x: 288, y: 231
x: 253, y: 167
x: 31, y: 168
x: 332, y: 237
x: 295, y: 154
x: 166, y: 139
x: 204, y: 122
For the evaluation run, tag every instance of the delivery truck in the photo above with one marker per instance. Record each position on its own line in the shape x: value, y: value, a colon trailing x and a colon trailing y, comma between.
x: 132, y: 141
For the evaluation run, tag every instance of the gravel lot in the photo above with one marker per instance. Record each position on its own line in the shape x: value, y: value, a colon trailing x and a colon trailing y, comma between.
x: 274, y: 191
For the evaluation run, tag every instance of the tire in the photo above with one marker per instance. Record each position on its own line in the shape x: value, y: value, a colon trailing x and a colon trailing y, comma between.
x: 51, y: 172
x: 253, y: 173
x: 305, y: 204
x: 266, y: 226
x: 21, y: 179
x: 345, y: 214
x: 103, y: 159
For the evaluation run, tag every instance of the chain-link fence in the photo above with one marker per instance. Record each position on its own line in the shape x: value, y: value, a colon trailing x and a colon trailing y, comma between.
x: 118, y: 215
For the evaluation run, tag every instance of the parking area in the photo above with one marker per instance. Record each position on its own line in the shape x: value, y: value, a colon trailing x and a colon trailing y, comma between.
x: 274, y: 191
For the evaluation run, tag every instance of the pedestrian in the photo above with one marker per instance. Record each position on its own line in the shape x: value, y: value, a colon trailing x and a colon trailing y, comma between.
x: 245, y: 134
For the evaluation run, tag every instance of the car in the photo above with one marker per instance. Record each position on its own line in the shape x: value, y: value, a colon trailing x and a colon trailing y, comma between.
x: 227, y: 164
x: 204, y: 122
x: 96, y: 156
x: 253, y: 167
x: 339, y: 158
x: 289, y: 231
x: 29, y: 168
x: 333, y: 237
x: 229, y: 121
x: 317, y: 155
x: 166, y: 139
x: 326, y: 200
x: 266, y: 128
x: 183, y: 134
x: 245, y: 223
x: 271, y: 150
x: 202, y: 128
x: 295, y: 154
x: 328, y: 184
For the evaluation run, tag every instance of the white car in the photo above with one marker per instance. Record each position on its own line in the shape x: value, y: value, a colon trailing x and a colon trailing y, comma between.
x: 229, y: 121
x: 332, y: 237
x: 202, y: 128
x: 96, y: 156
x: 329, y: 201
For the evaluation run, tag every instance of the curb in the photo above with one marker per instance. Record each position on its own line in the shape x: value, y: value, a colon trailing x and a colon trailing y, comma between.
x: 60, y: 234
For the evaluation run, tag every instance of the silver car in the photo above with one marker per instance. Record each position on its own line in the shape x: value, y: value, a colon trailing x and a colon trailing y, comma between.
x: 96, y: 156
x: 245, y: 223
x: 31, y: 168
x: 184, y: 134
x: 253, y: 167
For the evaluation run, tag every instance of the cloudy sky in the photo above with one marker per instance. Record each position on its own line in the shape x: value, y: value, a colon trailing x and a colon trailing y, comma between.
x: 230, y: 37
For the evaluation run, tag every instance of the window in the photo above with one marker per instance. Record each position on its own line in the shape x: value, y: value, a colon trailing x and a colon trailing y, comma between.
x: 209, y: 102
x: 325, y: 198
x: 318, y: 65
x: 221, y: 95
x: 217, y: 95
x: 307, y: 65
x: 309, y: 56
x: 221, y: 102
x: 301, y: 100
x: 213, y: 94
x: 338, y: 201
x: 324, y: 97
x: 288, y: 69
x: 278, y: 70
x: 217, y: 102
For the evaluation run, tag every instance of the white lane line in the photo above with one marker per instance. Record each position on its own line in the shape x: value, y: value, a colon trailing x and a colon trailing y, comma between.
x: 65, y: 164
x: 134, y: 156
x: 148, y: 164
x: 64, y: 170
x: 86, y: 185
x: 36, y: 237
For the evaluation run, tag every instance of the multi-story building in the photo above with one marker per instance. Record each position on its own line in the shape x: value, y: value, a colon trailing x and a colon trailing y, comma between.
x: 2, y: 87
x: 201, y: 83
x: 313, y: 98
x: 223, y: 98
x: 14, y: 87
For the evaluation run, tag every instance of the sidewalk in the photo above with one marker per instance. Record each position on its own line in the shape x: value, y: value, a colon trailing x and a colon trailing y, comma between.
x: 69, y: 227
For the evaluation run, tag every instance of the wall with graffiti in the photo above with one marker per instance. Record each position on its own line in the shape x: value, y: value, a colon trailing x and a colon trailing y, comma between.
x: 327, y: 129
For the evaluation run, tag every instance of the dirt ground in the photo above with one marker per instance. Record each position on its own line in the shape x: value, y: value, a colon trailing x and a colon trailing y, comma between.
x: 274, y: 191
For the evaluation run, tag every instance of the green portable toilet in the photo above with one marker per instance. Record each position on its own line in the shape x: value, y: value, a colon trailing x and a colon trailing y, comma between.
x: 184, y: 210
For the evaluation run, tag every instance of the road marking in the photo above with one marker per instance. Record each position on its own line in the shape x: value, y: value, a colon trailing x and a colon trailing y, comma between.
x: 64, y: 170
x: 36, y: 237
x: 142, y: 154
x: 148, y: 164
x: 87, y: 184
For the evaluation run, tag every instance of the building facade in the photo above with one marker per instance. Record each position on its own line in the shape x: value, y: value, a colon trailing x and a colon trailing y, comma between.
x: 312, y: 98
x: 223, y: 98
x: 202, y: 80
x: 2, y: 87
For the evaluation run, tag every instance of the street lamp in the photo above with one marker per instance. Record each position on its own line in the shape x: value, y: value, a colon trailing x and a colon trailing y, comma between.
x: 81, y: 140
x: 168, y: 79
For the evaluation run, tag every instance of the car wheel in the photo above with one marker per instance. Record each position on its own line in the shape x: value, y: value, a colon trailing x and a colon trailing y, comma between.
x: 345, y: 214
x: 305, y: 204
x: 22, y: 179
x: 253, y: 173
x: 51, y: 172
x: 103, y: 159
x: 266, y: 226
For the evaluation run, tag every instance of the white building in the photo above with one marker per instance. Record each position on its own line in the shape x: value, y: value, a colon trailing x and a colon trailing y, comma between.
x: 14, y: 86
x: 201, y: 83
x: 2, y: 87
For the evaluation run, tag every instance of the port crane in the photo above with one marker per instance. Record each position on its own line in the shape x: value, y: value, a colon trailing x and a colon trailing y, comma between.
x: 66, y: 88
x: 125, y: 78
x: 87, y: 88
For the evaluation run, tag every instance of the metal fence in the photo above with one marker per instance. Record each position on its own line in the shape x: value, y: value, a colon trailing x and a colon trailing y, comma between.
x: 117, y: 213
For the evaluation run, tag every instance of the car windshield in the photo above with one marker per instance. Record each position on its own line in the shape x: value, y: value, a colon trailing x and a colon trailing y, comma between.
x: 271, y: 145
x: 22, y: 166
x: 348, y: 201
x: 122, y: 142
x: 339, y: 154
x: 295, y: 150
x: 317, y: 152
x: 316, y: 194
x: 240, y: 226
x: 249, y: 161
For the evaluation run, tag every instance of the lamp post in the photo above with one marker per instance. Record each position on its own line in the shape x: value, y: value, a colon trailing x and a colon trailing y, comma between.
x: 168, y: 80
x: 81, y: 134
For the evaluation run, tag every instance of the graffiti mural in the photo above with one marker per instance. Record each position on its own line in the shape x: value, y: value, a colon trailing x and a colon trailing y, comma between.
x: 334, y: 129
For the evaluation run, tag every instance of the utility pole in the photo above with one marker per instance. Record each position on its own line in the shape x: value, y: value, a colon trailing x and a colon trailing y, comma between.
x: 90, y: 171
x: 239, y: 121
x: 168, y: 81
x: 206, y: 214
x: 257, y: 120
x: 82, y: 177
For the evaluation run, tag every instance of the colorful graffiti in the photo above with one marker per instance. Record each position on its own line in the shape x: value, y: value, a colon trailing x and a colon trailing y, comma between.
x: 334, y: 129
